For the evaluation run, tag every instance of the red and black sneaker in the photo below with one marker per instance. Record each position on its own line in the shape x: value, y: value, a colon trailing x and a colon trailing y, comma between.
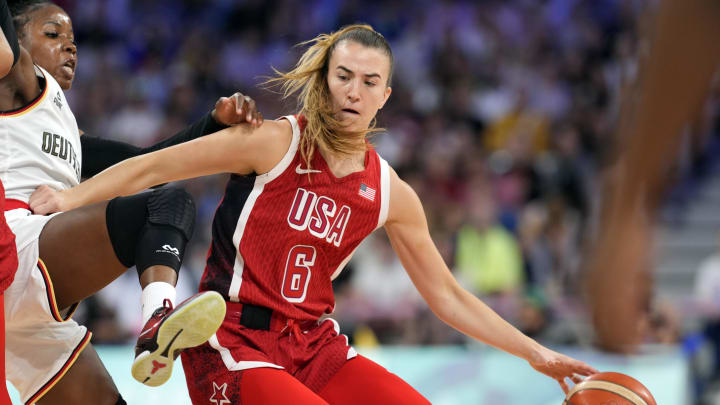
x: 169, y: 330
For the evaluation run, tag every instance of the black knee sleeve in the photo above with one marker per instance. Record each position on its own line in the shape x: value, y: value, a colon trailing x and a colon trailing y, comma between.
x: 151, y: 228
x: 120, y: 400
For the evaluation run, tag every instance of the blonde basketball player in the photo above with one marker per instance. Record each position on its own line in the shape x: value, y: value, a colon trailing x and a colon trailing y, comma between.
x: 306, y: 191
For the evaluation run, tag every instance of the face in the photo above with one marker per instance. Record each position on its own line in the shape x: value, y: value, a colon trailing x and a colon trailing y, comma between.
x: 357, y: 79
x: 49, y: 38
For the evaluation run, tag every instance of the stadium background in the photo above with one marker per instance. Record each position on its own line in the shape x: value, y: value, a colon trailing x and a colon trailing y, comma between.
x: 502, y: 118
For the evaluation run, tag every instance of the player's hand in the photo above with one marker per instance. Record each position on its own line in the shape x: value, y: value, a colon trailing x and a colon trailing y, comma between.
x: 237, y: 109
x: 44, y: 200
x: 560, y: 367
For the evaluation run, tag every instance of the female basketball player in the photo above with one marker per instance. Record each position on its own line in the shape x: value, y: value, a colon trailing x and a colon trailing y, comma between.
x: 306, y: 190
x: 49, y: 359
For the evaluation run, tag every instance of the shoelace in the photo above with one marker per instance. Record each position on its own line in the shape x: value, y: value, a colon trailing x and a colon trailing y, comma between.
x: 167, y: 307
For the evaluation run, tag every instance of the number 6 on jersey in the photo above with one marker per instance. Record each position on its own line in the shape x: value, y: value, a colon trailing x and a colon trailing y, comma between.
x: 297, y: 273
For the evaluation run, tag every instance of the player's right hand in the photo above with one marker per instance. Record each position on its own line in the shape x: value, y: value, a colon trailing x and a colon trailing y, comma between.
x: 237, y: 109
x: 44, y: 200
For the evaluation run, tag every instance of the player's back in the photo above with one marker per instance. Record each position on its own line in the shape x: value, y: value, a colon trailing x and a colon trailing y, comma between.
x: 280, y: 238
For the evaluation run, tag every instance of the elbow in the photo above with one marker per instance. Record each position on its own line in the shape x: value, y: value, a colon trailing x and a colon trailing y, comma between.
x: 442, y: 299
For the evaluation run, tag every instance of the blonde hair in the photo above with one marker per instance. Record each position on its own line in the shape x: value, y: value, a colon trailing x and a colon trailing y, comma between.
x: 309, y: 81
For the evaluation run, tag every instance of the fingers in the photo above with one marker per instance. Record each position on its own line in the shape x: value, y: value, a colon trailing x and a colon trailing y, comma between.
x: 585, y: 369
x: 563, y: 385
x: 237, y: 109
x: 576, y: 379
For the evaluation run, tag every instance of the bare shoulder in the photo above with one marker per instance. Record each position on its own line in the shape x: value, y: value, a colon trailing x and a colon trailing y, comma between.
x: 267, y: 144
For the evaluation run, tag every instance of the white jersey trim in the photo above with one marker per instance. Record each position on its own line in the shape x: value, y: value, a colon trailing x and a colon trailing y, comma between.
x: 230, y: 362
x: 279, y: 168
x: 351, y: 351
x: 342, y: 265
x: 258, y: 187
x: 239, y: 266
x: 384, y: 191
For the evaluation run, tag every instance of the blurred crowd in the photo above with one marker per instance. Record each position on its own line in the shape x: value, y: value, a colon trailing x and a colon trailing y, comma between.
x: 502, y: 117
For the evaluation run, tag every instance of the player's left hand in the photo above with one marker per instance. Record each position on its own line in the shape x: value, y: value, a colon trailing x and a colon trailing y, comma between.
x: 237, y: 109
x: 560, y: 367
x: 44, y: 200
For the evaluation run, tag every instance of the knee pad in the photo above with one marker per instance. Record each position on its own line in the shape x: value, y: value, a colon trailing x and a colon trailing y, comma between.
x: 172, y: 207
x: 145, y: 227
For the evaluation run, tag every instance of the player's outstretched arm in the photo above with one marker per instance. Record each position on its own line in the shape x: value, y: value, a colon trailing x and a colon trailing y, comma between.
x: 99, y: 153
x: 408, y: 231
x: 240, y: 149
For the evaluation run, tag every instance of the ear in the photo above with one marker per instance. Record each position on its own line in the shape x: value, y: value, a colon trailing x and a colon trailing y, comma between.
x: 386, y: 96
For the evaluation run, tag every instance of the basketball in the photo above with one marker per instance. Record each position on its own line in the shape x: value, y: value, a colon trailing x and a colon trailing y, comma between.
x: 609, y: 389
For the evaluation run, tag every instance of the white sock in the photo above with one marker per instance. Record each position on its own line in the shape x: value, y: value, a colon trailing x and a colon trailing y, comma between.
x: 153, y: 296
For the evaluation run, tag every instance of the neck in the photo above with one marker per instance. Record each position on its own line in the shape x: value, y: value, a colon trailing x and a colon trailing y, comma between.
x: 342, y: 165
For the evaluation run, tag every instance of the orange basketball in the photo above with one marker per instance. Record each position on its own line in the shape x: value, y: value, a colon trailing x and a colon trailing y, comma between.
x: 609, y: 389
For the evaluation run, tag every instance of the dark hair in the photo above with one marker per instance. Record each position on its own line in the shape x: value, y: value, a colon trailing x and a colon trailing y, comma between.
x: 19, y: 9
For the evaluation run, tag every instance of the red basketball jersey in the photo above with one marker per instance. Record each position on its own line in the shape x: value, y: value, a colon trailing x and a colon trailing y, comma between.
x: 8, y: 251
x: 280, y: 238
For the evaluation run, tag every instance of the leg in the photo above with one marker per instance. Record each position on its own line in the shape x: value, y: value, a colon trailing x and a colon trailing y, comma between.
x: 209, y: 381
x: 273, y: 386
x: 87, y: 382
x: 87, y: 248
x: 76, y: 248
x: 362, y: 381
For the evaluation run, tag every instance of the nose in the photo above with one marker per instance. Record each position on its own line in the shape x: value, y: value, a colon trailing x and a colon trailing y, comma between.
x: 353, y: 93
x: 70, y: 47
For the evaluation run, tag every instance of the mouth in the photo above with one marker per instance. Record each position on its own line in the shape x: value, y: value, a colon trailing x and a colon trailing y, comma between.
x: 69, y: 67
x: 350, y: 111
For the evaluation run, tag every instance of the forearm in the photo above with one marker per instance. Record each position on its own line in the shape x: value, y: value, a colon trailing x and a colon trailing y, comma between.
x: 205, y: 125
x: 469, y: 315
x: 126, y: 178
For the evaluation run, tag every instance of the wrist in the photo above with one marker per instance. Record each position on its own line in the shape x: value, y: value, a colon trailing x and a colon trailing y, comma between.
x: 68, y: 200
x: 534, y: 353
x: 214, y: 124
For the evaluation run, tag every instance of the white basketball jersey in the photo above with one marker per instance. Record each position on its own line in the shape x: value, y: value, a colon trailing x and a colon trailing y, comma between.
x: 39, y: 144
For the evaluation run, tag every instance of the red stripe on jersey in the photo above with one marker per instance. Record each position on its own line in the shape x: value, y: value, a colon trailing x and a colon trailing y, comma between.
x: 8, y: 251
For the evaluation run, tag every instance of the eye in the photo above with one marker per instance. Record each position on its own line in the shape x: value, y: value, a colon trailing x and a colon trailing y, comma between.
x: 342, y: 77
x: 51, y: 34
x: 370, y: 84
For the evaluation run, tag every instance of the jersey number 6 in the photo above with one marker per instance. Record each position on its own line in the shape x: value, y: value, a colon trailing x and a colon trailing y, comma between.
x: 297, y: 273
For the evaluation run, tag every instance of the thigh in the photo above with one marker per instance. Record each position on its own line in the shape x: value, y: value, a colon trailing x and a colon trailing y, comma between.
x: 361, y: 381
x: 79, y: 256
x: 209, y: 381
x: 86, y: 382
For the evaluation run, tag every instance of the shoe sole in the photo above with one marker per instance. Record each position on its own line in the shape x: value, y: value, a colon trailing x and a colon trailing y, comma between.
x: 190, y: 325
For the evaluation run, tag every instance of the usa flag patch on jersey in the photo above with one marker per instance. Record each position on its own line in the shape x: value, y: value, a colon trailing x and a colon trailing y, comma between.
x: 367, y: 192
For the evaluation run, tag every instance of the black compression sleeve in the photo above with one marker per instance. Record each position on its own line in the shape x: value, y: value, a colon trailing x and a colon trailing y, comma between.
x: 8, y: 29
x: 98, y: 154
x: 204, y: 126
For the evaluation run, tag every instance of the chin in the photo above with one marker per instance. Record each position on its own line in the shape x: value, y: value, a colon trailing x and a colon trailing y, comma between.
x: 65, y: 84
